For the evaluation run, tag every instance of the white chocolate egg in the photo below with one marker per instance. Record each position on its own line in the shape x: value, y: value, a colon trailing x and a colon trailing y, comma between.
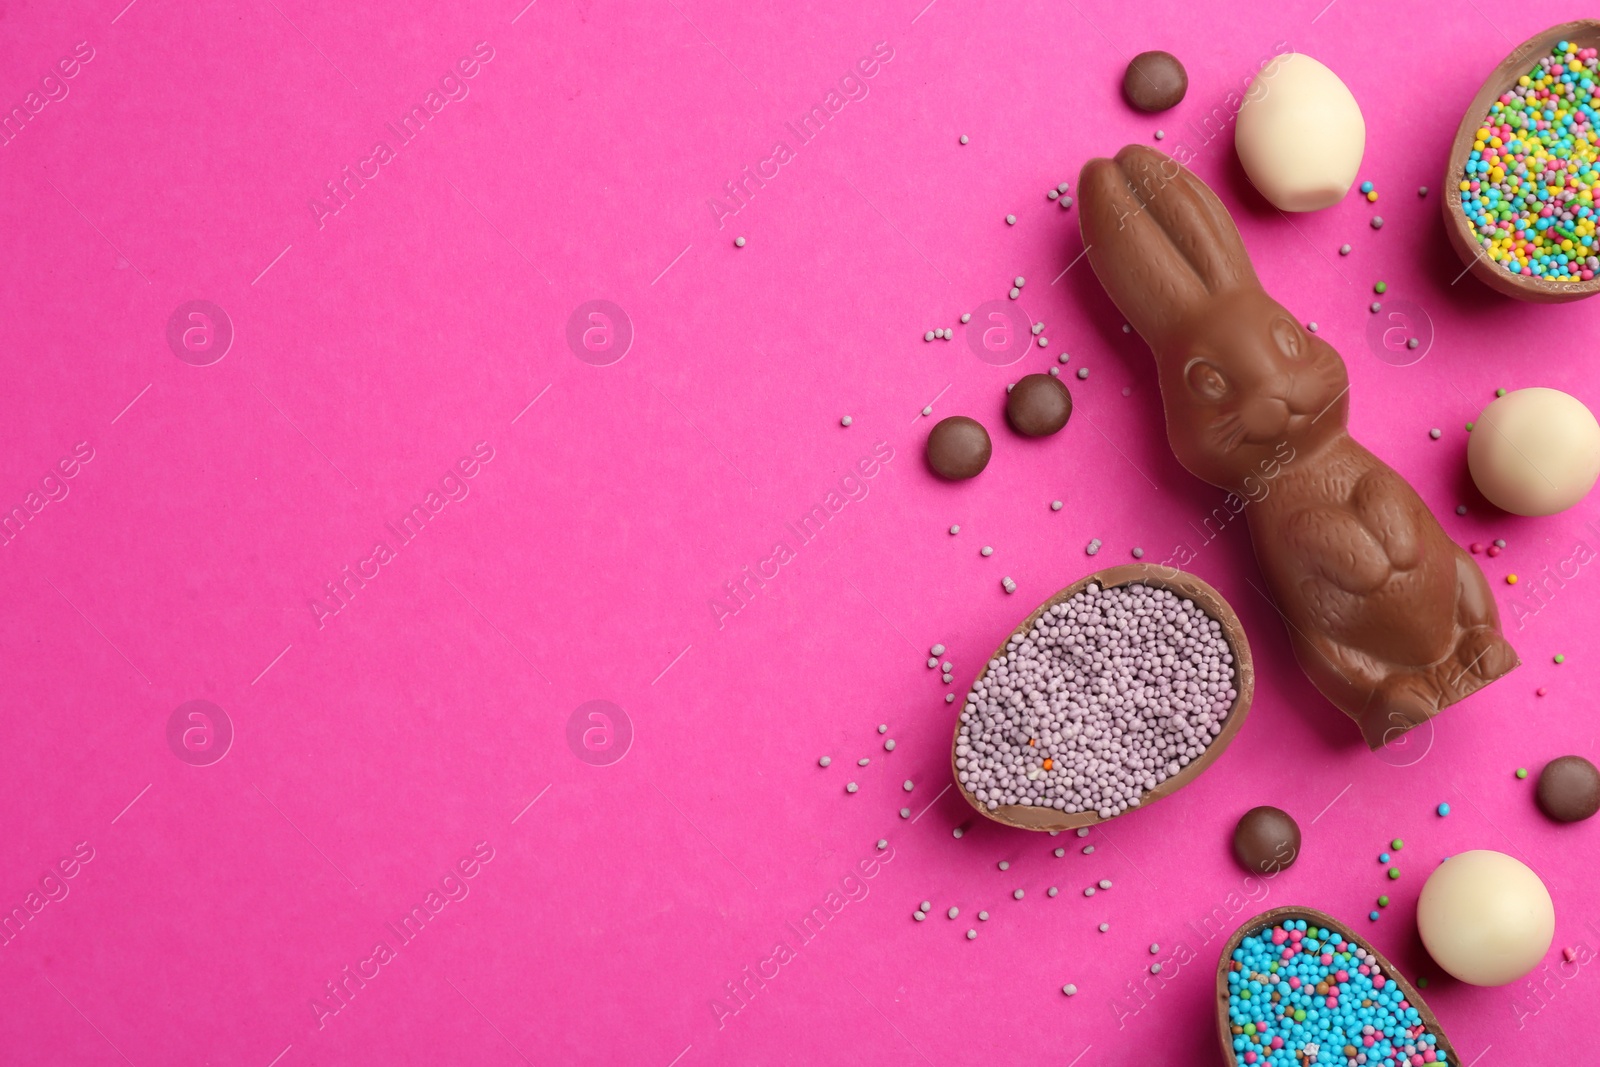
x: 1300, y: 134
x: 1485, y: 918
x: 1535, y: 451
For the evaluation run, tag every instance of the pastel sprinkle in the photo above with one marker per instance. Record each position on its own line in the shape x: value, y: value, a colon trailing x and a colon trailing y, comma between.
x: 1559, y: 658
x: 738, y: 242
x: 1443, y: 809
x: 1527, y: 183
x: 1011, y: 220
x: 1522, y: 772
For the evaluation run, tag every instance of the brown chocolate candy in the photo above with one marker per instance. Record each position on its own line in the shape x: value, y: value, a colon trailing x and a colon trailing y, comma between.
x: 1155, y: 81
x: 1038, y: 405
x: 1266, y: 840
x: 1569, y: 789
x: 959, y: 448
x: 1389, y: 617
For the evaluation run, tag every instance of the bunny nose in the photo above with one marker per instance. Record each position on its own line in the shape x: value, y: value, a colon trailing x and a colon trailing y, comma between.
x: 1264, y: 417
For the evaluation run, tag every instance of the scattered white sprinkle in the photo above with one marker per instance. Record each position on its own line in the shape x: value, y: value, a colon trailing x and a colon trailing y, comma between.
x: 1011, y: 220
x: 958, y: 831
x: 883, y: 727
x: 1155, y: 968
x: 824, y: 761
x: 1017, y: 895
x: 938, y: 650
x: 851, y: 788
x: 1070, y: 990
x: 953, y: 912
x: 1161, y: 135
x: 908, y: 786
x: 963, y: 138
x: 883, y: 843
x: 1060, y: 852
x: 1154, y: 948
x: 1004, y: 865
x: 1089, y: 892
x: 863, y: 761
x: 966, y: 317
x: 1056, y: 505
x: 888, y: 746
x: 953, y: 531
x: 1083, y: 831
x: 1083, y: 372
x: 986, y: 551
x: 972, y: 935
x: 1344, y: 250
x: 919, y: 916
x: 738, y: 242
x: 1436, y: 433
x: 927, y: 411
x: 983, y: 916
x: 1104, y: 927
x: 1088, y: 850
x: 905, y: 813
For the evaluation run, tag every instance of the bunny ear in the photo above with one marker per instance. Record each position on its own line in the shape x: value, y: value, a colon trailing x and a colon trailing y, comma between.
x: 1194, y: 219
x: 1148, y: 278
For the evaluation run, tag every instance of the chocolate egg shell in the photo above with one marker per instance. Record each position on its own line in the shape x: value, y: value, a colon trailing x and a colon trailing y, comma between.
x: 1157, y: 577
x: 959, y: 448
x: 1312, y: 915
x: 1584, y: 33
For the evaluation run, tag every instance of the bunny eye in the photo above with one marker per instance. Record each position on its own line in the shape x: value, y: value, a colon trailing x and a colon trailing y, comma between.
x: 1287, y: 335
x: 1206, y: 379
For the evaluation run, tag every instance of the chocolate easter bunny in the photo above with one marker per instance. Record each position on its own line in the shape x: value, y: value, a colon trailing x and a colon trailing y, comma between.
x: 1390, y: 618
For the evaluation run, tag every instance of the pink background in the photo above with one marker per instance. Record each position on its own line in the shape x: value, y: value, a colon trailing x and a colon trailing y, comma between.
x: 374, y: 751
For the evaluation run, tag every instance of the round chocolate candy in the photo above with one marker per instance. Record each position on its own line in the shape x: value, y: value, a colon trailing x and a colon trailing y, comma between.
x: 1569, y: 789
x: 959, y: 448
x: 1038, y: 405
x: 1266, y: 840
x: 1155, y: 81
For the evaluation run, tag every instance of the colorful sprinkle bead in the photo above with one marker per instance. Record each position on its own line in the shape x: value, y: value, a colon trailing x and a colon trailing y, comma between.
x: 1522, y: 772
x: 1527, y: 186
x: 1444, y: 809
x: 1300, y: 994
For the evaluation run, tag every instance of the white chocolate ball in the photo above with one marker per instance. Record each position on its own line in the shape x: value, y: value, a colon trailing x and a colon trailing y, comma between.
x: 1535, y: 451
x: 1485, y: 918
x: 1300, y: 134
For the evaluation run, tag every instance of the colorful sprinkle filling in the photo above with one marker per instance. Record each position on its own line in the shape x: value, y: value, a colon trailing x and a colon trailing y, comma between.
x: 1528, y: 190
x: 1306, y: 995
